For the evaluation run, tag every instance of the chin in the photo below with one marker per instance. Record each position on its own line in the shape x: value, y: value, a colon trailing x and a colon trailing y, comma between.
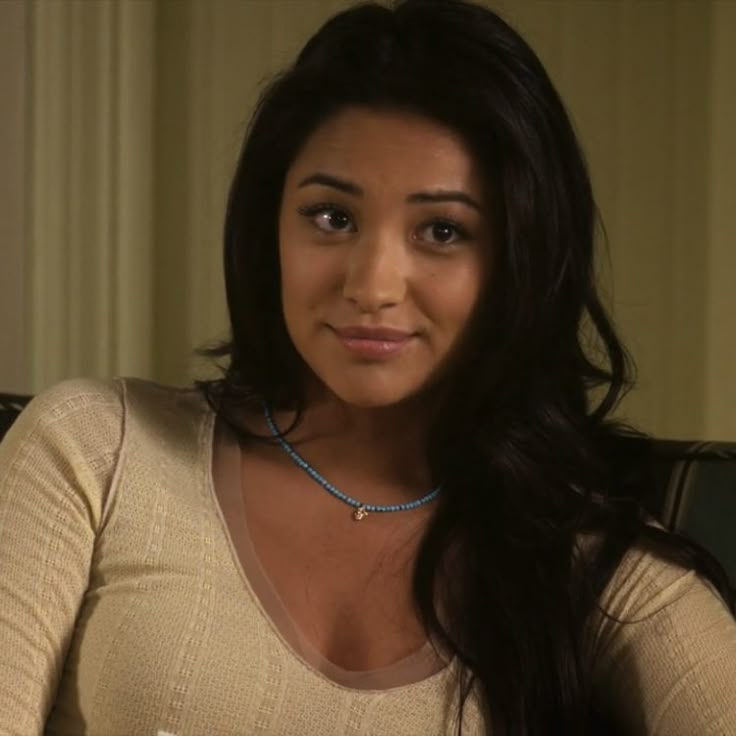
x: 365, y: 396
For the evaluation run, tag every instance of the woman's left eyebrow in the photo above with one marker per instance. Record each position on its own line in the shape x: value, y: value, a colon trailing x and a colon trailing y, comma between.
x: 444, y: 195
x: 349, y: 187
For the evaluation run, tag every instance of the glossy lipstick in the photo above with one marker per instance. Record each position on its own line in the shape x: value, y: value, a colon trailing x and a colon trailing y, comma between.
x: 372, y: 342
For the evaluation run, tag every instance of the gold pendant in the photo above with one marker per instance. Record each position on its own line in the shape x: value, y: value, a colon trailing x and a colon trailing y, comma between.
x: 360, y: 513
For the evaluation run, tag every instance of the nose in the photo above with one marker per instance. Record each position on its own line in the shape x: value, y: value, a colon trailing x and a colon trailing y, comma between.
x: 376, y: 273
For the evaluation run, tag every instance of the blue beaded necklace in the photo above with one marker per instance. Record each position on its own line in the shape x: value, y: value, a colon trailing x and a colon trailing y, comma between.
x: 361, y: 510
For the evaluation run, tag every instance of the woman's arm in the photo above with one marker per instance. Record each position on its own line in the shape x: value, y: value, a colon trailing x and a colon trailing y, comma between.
x: 56, y: 466
x: 668, y: 668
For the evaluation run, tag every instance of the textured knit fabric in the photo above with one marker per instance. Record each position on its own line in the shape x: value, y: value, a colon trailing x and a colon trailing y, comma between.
x: 124, y: 609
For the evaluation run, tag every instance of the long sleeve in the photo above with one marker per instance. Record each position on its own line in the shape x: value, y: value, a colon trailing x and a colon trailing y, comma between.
x: 56, y: 465
x: 667, y: 666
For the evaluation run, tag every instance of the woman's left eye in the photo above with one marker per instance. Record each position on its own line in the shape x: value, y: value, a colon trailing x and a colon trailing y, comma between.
x: 443, y: 232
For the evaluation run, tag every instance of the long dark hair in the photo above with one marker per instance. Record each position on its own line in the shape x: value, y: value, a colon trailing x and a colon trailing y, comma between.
x: 519, y: 447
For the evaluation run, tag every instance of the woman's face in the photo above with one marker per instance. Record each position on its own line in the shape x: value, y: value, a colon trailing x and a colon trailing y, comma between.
x: 384, y: 244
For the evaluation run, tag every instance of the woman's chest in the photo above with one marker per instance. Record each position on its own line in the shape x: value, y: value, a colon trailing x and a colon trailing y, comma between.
x: 186, y: 649
x: 351, y: 602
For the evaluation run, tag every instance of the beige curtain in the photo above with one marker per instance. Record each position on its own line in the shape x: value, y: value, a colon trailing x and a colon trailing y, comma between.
x: 135, y: 112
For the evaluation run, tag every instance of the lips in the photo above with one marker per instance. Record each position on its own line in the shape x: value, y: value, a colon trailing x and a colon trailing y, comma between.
x: 383, y: 334
x: 373, y: 343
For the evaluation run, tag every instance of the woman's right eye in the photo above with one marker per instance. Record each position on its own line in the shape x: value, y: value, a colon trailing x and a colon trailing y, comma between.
x: 328, y: 218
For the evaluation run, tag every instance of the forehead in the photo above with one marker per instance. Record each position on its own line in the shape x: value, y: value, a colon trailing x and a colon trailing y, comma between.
x: 389, y: 146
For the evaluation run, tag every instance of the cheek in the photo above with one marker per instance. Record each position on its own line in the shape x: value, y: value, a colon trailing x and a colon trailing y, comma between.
x: 309, y: 276
x: 294, y: 266
x: 455, y: 295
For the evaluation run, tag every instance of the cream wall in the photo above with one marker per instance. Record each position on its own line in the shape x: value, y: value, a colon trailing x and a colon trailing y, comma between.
x: 13, y: 312
x: 136, y: 110
x: 635, y: 76
x: 720, y: 381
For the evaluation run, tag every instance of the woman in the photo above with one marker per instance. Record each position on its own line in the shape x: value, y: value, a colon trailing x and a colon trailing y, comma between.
x: 395, y: 513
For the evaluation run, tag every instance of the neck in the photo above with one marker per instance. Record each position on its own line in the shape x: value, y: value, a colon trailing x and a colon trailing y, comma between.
x: 381, y: 448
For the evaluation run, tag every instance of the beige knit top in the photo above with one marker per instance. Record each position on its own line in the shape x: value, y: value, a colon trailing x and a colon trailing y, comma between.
x: 132, y: 600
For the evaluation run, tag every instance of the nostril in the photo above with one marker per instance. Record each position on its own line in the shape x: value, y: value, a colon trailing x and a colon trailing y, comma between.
x: 375, y: 283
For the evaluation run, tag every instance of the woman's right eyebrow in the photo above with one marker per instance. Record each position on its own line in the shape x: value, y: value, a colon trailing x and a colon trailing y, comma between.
x: 327, y: 180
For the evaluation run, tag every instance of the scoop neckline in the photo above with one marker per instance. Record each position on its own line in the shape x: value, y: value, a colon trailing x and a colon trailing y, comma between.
x: 227, y: 494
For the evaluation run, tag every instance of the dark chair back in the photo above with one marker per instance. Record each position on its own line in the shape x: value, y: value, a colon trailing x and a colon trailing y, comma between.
x: 10, y: 406
x: 697, y: 495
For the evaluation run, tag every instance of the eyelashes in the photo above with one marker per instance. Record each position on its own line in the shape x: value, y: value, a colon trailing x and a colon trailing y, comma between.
x: 444, y: 225
x: 331, y: 218
x: 328, y: 217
